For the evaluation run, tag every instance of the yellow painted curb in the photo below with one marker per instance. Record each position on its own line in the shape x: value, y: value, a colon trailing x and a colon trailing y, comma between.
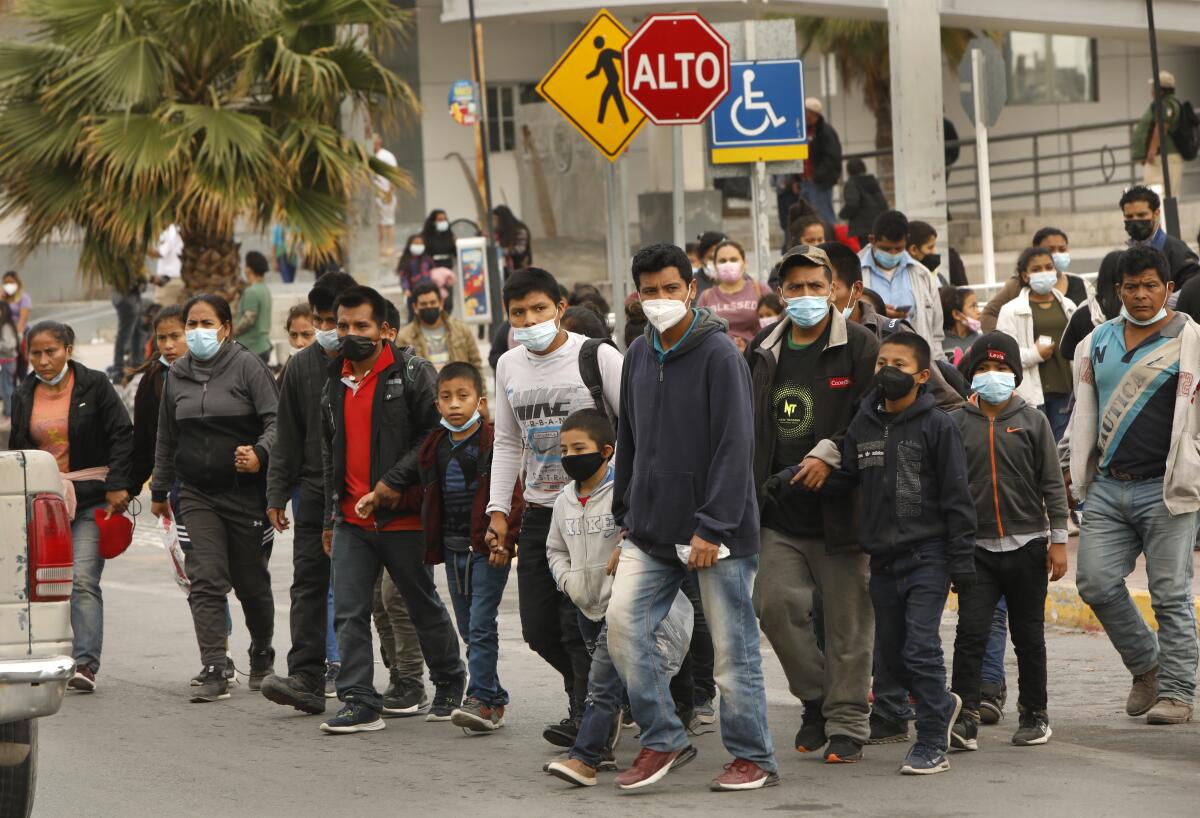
x: 1065, y: 608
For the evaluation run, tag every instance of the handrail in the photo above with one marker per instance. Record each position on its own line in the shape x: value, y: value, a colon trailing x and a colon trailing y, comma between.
x: 969, y: 142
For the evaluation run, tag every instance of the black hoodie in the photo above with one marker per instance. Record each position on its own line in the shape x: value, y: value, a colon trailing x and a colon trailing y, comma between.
x: 912, y: 470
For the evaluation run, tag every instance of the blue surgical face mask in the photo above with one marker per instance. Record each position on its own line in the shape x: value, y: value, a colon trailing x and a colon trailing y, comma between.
x: 994, y: 387
x: 203, y: 343
x: 1061, y: 261
x: 538, y: 337
x: 1042, y: 283
x: 57, y: 379
x: 887, y: 261
x: 847, y: 312
x: 329, y: 340
x: 474, y: 419
x: 1158, y: 316
x: 807, y: 310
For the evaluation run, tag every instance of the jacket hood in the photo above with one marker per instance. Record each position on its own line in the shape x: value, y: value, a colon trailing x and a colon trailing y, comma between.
x: 571, y: 489
x: 706, y: 323
x: 1015, y: 404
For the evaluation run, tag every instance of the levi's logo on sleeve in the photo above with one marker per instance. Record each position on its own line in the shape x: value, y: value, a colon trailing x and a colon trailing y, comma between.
x: 843, y: 382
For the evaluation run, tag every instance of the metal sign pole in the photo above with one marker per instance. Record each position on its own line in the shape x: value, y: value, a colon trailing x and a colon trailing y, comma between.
x: 493, y: 268
x: 616, y: 250
x: 981, y: 163
x: 678, y: 213
x: 758, y: 186
x: 1170, y: 206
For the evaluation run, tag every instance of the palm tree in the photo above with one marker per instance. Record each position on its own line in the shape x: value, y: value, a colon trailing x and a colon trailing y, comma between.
x: 119, y: 117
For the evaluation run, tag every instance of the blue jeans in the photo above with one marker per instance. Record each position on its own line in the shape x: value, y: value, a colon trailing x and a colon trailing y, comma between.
x: 331, y: 648
x: 1121, y: 520
x: 642, y: 593
x: 476, y: 589
x: 1057, y: 409
x: 605, y: 693
x: 8, y: 371
x: 993, y: 656
x: 822, y: 200
x: 909, y: 596
x: 87, y: 603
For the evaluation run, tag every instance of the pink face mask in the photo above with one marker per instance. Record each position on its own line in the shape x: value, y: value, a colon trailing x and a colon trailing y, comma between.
x: 729, y: 272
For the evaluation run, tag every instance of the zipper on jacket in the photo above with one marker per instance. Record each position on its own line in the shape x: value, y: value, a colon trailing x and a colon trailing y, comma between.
x: 995, y: 486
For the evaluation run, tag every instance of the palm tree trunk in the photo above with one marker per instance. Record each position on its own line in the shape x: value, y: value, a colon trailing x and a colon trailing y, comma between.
x: 210, y: 262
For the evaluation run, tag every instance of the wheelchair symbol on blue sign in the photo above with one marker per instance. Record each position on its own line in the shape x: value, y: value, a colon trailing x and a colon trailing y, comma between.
x: 765, y: 107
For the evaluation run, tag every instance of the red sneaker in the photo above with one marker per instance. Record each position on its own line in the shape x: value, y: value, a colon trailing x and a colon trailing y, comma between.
x: 651, y: 766
x: 84, y: 680
x: 743, y: 775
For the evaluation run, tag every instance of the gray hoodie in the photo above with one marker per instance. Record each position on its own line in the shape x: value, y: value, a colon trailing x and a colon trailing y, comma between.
x: 580, y: 542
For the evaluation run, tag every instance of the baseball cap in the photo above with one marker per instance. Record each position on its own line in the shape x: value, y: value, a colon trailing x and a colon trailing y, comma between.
x: 804, y: 255
x: 813, y: 104
x: 1165, y: 79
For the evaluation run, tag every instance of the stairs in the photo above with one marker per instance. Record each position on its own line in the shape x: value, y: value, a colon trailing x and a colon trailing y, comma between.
x: 1097, y: 228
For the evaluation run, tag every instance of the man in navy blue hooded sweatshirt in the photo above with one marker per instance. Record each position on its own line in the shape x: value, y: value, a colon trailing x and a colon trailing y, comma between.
x: 685, y: 495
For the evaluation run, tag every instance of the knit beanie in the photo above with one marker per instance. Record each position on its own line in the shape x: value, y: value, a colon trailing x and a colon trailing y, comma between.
x: 994, y: 346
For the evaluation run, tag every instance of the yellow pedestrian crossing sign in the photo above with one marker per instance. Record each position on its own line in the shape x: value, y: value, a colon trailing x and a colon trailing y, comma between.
x: 585, y: 87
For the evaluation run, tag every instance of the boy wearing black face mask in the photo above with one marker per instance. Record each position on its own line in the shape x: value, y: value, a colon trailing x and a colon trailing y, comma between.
x: 907, y: 458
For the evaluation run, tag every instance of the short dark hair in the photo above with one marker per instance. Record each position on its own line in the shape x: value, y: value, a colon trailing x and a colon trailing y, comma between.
x: 1137, y: 260
x: 1107, y: 281
x: 257, y: 262
x: 594, y: 424
x: 324, y: 293
x: 393, y: 314
x: 1141, y: 193
x: 915, y: 344
x: 891, y: 225
x: 772, y: 302
x: 589, y: 294
x: 953, y: 298
x: 60, y: 332
x: 655, y: 257
x: 856, y: 167
x: 1045, y: 233
x: 425, y: 288
x: 528, y: 281
x: 297, y: 311
x: 707, y: 241
x: 171, y: 313
x: 358, y: 295
x: 464, y: 370
x: 1028, y: 255
x: 691, y: 247
x: 919, y: 233
x: 220, y: 307
x: 876, y: 300
x: 584, y: 321
x: 845, y: 262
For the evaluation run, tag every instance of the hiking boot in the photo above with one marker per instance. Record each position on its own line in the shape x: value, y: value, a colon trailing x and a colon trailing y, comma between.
x: 811, y: 735
x: 354, y: 717
x: 992, y: 696
x: 704, y: 712
x: 212, y: 685
x: 331, y: 674
x: 1034, y: 730
x: 741, y: 774
x: 924, y: 760
x: 843, y: 750
x: 1143, y: 694
x: 886, y: 731
x: 408, y: 698
x: 651, y: 766
x: 262, y: 665
x: 84, y: 680
x: 964, y: 735
x: 563, y: 734
x: 1169, y: 711
x: 447, y: 696
x: 476, y: 717
x: 293, y: 691
x: 573, y: 771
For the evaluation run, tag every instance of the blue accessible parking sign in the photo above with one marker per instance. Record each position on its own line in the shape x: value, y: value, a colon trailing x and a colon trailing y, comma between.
x: 762, y: 118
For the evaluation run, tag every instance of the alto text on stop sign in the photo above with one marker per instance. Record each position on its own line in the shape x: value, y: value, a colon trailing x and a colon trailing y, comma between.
x: 683, y: 70
x: 676, y: 68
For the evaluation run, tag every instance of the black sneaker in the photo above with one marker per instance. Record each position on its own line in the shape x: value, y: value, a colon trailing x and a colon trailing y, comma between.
x: 991, y: 702
x: 331, y: 674
x: 811, y: 736
x: 566, y: 731
x: 404, y: 699
x: 212, y: 685
x: 262, y: 665
x: 354, y: 717
x: 964, y: 735
x: 843, y: 750
x: 447, y: 696
x: 396, y: 684
x: 230, y: 670
x: 886, y: 731
x: 293, y: 691
x: 1034, y: 730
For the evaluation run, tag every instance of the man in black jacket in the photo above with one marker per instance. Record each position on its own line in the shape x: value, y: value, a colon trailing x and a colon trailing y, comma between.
x: 1143, y: 223
x: 808, y: 373
x: 823, y: 167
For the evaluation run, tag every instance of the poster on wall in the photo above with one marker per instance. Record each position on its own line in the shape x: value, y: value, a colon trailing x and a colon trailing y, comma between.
x: 474, y: 292
x: 463, y: 108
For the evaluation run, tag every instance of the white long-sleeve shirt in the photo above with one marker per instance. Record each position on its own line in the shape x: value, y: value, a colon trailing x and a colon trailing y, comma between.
x: 534, y: 395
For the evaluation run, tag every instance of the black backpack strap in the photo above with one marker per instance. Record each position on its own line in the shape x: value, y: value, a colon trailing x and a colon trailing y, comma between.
x: 589, y: 371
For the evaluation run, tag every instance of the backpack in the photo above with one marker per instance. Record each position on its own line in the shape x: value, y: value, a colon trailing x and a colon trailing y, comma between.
x: 589, y: 371
x: 1186, y: 134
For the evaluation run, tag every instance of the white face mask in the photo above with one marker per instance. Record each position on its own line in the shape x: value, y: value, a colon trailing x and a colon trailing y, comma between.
x: 664, y: 313
x: 539, y: 337
x: 442, y: 227
x: 417, y: 249
x: 10, y: 288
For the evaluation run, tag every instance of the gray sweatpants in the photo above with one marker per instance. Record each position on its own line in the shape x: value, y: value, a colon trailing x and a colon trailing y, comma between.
x: 398, y: 640
x: 790, y: 570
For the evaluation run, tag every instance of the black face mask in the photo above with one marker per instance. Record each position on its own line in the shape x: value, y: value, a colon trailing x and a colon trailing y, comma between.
x: 580, y: 467
x: 932, y: 261
x: 1139, y: 229
x: 894, y: 383
x: 358, y: 347
x: 429, y: 315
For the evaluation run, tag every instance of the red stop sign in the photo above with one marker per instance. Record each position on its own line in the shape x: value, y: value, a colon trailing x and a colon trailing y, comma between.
x: 676, y: 68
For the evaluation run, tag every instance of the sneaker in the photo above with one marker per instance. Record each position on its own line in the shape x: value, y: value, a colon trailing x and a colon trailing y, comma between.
x: 447, y: 697
x: 407, y: 698
x: 1169, y: 711
x: 886, y: 731
x: 293, y: 691
x: 331, y: 674
x: 741, y: 774
x: 262, y: 665
x: 843, y: 750
x: 651, y: 766
x: 84, y: 680
x: 563, y: 734
x: 476, y: 717
x: 1034, y: 730
x: 992, y: 696
x: 811, y: 735
x: 955, y: 711
x: 198, y: 679
x: 627, y: 722
x: 964, y: 735
x: 1144, y: 693
x: 924, y: 760
x: 230, y: 671
x: 704, y: 712
x: 573, y: 771
x: 354, y: 717
x: 213, y: 686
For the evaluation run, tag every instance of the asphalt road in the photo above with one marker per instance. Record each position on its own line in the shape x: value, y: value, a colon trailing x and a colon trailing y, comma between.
x: 139, y: 748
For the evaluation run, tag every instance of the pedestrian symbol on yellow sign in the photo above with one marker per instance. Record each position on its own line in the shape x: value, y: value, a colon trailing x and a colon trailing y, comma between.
x: 585, y: 86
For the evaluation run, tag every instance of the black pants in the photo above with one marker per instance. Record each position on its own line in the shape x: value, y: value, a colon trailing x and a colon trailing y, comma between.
x: 129, y: 345
x: 1020, y: 577
x: 230, y: 546
x: 309, y: 594
x: 700, y: 653
x: 549, y: 620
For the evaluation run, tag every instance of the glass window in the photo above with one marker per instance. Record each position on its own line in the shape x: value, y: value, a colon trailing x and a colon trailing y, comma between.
x: 1050, y: 68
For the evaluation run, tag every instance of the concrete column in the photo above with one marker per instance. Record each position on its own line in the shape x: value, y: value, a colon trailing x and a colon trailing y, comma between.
x: 918, y: 148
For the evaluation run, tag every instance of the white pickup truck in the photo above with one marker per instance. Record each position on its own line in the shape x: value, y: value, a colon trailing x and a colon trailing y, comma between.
x: 35, y: 616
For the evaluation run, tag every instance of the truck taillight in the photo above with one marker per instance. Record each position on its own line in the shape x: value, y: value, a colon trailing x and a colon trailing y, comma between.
x: 50, y: 554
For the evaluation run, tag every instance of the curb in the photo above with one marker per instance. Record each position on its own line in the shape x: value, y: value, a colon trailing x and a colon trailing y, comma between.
x: 1066, y: 609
